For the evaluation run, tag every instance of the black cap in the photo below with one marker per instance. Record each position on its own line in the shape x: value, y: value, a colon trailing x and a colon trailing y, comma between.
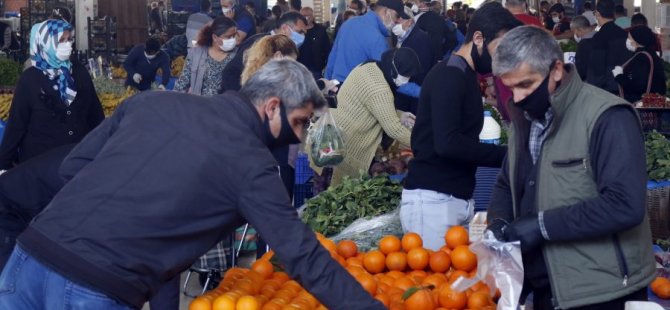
x: 558, y: 8
x: 395, y: 5
x: 152, y: 45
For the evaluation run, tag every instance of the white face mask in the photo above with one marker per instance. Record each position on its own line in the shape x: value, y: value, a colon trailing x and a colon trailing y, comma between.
x: 401, y: 80
x: 415, y: 8
x: 556, y: 19
x: 63, y: 51
x: 577, y: 39
x: 228, y: 44
x: 629, y: 45
x: 225, y: 10
x: 398, y: 31
x: 390, y: 23
x: 149, y: 57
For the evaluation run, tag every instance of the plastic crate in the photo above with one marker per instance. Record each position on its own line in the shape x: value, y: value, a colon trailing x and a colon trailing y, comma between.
x: 655, y: 119
x: 658, y: 208
x: 301, y: 192
x: 303, y: 173
x: 485, y: 181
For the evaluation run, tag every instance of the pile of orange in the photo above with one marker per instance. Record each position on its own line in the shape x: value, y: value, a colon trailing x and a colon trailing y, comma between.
x: 401, y: 274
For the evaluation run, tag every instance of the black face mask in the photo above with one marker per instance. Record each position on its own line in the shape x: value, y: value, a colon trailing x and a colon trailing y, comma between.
x: 286, y: 134
x: 482, y: 62
x: 537, y: 103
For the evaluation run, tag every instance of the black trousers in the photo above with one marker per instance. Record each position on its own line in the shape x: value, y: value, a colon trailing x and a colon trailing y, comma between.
x: 542, y: 301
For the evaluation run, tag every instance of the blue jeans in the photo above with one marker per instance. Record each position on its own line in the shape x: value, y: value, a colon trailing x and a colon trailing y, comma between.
x: 27, y: 284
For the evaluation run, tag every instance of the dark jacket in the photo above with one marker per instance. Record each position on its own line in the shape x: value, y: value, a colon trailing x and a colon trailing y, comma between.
x: 314, y: 52
x: 40, y: 121
x: 635, y: 77
x: 137, y: 62
x: 434, y: 26
x: 583, y: 57
x: 609, y: 50
x: 232, y: 73
x: 419, y: 42
x: 445, y: 139
x: 125, y: 231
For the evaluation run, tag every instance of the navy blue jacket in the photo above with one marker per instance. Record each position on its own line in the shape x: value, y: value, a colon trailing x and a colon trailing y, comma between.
x: 157, y: 185
x: 137, y: 62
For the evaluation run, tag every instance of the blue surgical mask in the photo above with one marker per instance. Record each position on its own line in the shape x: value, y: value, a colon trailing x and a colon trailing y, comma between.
x: 297, y: 38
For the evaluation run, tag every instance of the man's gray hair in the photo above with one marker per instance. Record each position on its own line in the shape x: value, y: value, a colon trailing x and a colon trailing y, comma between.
x: 580, y: 22
x: 286, y: 79
x: 528, y: 44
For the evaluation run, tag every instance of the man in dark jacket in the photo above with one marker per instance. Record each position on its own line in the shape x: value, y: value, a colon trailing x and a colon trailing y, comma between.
x: 314, y: 52
x: 246, y: 24
x: 585, y: 237
x: 434, y: 25
x: 583, y: 32
x: 609, y: 49
x: 111, y: 237
x: 143, y: 62
x: 286, y: 25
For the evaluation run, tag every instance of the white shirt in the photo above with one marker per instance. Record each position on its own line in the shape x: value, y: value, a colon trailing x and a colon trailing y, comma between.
x: 591, y: 17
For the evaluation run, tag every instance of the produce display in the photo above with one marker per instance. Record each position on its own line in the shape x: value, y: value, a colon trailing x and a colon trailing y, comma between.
x: 401, y: 274
x: 111, y: 93
x: 5, y: 104
x: 568, y: 46
x: 654, y: 101
x: 335, y: 209
x: 661, y: 287
x: 176, y: 67
x: 658, y: 156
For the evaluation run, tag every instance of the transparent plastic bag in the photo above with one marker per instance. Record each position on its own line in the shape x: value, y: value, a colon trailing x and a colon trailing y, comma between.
x: 367, y: 231
x: 326, y: 144
x: 499, y: 265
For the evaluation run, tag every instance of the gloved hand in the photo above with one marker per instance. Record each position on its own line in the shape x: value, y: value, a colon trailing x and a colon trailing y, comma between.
x: 410, y: 89
x: 161, y: 87
x: 618, y: 70
x: 527, y: 230
x: 407, y: 119
x: 137, y: 78
x: 498, y: 227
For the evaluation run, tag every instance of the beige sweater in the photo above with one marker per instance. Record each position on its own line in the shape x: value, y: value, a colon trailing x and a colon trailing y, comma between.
x: 365, y: 109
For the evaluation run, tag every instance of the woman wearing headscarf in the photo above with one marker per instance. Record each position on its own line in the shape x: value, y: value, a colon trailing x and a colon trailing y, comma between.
x: 54, y: 102
x: 366, y: 109
x: 216, y: 47
x: 643, y: 68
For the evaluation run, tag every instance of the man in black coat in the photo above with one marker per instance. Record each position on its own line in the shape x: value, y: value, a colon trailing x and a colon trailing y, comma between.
x: 609, y: 49
x: 434, y: 25
x: 583, y: 32
x: 157, y: 184
x: 314, y: 52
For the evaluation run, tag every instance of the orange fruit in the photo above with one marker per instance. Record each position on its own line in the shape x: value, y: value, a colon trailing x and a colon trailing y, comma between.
x: 404, y: 283
x: 268, y: 255
x: 368, y: 282
x: 463, y: 259
x: 397, y: 305
x: 446, y: 249
x: 200, y: 303
x: 418, y: 259
x: 457, y: 274
x: 417, y: 275
x: 440, y: 262
x: 281, y: 276
x: 435, y: 280
x: 658, y: 282
x: 479, y: 300
x: 223, y: 303
x: 663, y: 291
x: 389, y: 244
x: 420, y: 300
x: 451, y: 299
x: 247, y: 303
x: 374, y: 262
x: 309, y: 298
x: 395, y: 274
x: 264, y: 268
x: 384, y: 299
x: 411, y: 241
x: 329, y: 245
x: 271, y: 306
x: 355, y: 270
x: 347, y: 248
x: 455, y: 236
x: 354, y: 261
x: 396, y: 261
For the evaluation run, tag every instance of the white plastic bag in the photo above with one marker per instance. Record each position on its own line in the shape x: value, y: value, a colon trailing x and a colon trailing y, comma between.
x: 500, y: 266
x: 325, y: 143
x: 367, y: 231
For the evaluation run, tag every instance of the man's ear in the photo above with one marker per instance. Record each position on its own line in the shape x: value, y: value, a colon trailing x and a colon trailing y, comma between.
x: 557, y: 71
x: 272, y: 107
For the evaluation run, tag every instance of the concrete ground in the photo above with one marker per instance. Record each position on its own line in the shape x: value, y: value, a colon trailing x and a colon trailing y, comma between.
x: 246, y: 259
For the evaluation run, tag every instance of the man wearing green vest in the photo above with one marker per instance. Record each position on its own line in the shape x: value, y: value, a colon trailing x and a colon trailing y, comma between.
x: 573, y: 185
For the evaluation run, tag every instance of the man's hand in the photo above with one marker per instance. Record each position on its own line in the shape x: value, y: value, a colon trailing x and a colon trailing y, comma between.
x: 618, y: 70
x: 407, y: 119
x: 230, y: 14
x: 137, y: 78
x: 161, y: 87
x: 498, y: 227
x: 527, y: 230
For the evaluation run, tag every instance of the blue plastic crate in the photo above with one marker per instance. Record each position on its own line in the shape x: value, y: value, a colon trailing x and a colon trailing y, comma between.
x: 303, y: 173
x: 170, y: 84
x: 301, y: 192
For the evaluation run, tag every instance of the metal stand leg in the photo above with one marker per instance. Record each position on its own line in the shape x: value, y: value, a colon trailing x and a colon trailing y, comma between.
x: 244, y: 236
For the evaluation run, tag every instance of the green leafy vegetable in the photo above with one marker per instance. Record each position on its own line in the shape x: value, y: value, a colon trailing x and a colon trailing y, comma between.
x: 335, y: 209
x: 658, y: 156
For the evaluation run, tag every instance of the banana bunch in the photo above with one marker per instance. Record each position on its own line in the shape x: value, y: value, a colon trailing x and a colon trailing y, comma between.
x: 5, y: 103
x: 177, y: 66
x: 110, y: 101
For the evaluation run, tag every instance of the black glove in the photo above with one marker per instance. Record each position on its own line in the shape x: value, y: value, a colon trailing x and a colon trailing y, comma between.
x: 497, y: 227
x: 527, y: 230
